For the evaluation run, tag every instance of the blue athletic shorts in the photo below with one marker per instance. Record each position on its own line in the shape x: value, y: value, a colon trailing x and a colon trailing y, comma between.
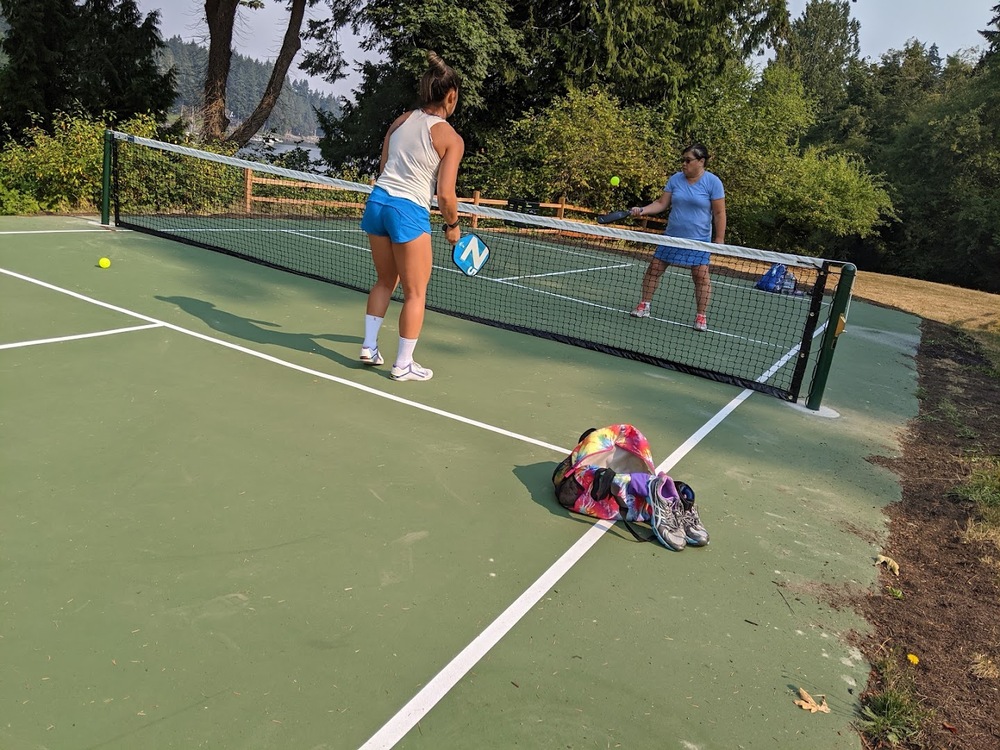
x: 399, y: 219
x: 679, y: 256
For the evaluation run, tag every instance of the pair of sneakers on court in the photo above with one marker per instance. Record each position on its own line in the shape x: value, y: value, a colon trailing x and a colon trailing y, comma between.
x: 642, y: 310
x: 674, y: 519
x: 410, y: 371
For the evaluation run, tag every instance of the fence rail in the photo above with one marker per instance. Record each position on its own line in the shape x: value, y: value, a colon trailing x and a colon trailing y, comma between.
x: 561, y: 208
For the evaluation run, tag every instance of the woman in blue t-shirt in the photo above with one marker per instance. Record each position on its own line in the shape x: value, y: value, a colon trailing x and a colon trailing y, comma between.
x: 697, y: 204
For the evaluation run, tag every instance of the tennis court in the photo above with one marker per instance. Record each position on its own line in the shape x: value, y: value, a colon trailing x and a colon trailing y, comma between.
x: 223, y: 531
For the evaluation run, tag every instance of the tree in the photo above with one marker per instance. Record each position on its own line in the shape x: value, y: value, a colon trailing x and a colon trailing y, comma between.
x: 944, y: 162
x: 780, y: 196
x: 992, y: 36
x: 117, y: 65
x: 518, y: 55
x: 570, y: 149
x: 37, y: 80
x: 221, y: 17
x: 821, y: 45
x: 97, y: 58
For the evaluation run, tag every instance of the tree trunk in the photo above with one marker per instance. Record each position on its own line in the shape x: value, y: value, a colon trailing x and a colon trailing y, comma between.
x: 289, y: 47
x: 220, y: 15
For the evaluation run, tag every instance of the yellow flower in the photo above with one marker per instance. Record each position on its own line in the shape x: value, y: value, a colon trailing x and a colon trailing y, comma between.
x: 914, y: 659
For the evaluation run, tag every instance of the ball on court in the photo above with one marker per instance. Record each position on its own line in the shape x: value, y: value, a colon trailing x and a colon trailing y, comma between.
x: 104, y: 263
x: 615, y: 181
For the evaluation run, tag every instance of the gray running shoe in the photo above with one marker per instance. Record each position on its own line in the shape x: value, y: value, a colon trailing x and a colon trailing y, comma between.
x: 667, y: 521
x: 694, y: 532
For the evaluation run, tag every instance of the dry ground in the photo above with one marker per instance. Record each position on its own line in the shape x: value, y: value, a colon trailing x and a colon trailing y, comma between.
x: 946, y: 607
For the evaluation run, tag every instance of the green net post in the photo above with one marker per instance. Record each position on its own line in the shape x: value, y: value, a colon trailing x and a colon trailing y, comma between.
x: 106, y: 179
x: 837, y: 320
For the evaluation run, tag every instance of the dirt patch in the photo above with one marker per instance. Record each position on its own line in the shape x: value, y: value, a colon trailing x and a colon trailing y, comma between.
x: 949, y: 611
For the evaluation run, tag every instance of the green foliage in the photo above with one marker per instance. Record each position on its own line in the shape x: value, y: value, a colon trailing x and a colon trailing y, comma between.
x: 13, y: 202
x: 891, y: 714
x: 520, y: 56
x: 293, y: 113
x: 97, y: 58
x: 572, y: 149
x: 983, y: 485
x: 945, y: 165
x: 61, y: 170
x: 354, y: 138
x: 777, y: 195
x: 815, y: 196
x: 821, y: 44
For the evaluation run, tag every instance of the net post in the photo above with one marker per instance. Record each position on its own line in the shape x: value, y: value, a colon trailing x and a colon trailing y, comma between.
x: 838, y: 320
x: 106, y: 179
x: 561, y: 211
x: 475, y: 202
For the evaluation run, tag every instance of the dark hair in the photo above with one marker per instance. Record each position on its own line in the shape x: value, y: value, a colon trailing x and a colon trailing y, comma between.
x: 437, y: 81
x: 699, y: 151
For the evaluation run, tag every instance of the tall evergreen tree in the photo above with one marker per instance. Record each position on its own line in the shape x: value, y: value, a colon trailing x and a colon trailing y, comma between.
x: 992, y: 35
x: 118, y: 71
x: 822, y: 45
x: 97, y: 58
x: 38, y: 78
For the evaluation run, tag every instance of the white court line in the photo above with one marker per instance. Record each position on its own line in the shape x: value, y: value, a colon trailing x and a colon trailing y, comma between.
x: 563, y: 273
x: 75, y: 337
x: 51, y: 231
x: 420, y: 705
x: 404, y: 720
x: 290, y: 365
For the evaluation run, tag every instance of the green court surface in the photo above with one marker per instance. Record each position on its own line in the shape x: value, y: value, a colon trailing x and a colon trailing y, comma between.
x: 222, y: 531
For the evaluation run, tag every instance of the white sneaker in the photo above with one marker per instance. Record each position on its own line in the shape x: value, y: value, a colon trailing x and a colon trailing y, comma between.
x: 412, y: 371
x: 641, y: 310
x: 371, y: 356
x: 700, y: 323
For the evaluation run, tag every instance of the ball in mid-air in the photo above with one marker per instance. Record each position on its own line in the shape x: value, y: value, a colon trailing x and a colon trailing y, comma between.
x: 104, y: 263
x: 615, y: 181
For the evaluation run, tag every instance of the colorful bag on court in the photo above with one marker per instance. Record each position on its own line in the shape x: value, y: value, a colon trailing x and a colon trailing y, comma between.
x: 607, y: 476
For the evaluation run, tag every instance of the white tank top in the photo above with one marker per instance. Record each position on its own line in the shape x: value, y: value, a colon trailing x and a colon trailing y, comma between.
x: 412, y: 165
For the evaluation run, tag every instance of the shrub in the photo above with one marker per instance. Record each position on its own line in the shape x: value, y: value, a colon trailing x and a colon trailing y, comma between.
x: 60, y: 171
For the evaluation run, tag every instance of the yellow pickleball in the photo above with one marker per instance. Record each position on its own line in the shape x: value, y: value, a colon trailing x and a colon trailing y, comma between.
x: 104, y: 263
x: 615, y: 181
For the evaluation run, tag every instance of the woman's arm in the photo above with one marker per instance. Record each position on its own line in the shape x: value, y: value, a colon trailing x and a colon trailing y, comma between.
x: 451, y: 149
x: 660, y: 205
x: 719, y: 221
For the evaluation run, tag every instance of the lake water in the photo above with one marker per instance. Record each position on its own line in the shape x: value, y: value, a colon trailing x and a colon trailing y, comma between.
x: 255, y: 150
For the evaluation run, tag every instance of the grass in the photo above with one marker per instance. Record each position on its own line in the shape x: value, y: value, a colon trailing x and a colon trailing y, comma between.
x: 891, y: 713
x: 975, y: 313
x: 984, y: 667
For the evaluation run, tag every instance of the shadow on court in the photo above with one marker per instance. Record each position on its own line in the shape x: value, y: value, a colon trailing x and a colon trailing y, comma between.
x: 262, y: 331
x: 537, y: 480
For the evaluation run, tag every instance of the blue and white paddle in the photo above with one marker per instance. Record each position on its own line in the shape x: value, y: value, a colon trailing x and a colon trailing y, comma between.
x: 470, y: 254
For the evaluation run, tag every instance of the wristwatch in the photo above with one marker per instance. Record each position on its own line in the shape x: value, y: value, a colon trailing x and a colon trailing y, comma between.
x: 445, y: 227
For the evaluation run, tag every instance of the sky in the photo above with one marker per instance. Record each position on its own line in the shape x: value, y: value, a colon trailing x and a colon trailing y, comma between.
x: 885, y: 25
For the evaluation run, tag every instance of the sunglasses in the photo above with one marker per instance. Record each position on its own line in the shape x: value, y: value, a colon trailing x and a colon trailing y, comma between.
x: 688, y: 159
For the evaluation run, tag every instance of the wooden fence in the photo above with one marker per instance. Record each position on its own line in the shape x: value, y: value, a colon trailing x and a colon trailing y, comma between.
x: 524, y: 206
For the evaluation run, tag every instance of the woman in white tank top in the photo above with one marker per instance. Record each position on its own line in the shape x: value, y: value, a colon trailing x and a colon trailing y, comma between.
x: 420, y: 154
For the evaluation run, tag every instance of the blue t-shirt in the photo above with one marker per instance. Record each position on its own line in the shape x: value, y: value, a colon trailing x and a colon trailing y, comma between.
x: 691, y: 206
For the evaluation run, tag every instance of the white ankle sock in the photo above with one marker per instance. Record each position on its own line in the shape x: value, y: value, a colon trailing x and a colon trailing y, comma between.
x: 405, y: 354
x: 372, y: 326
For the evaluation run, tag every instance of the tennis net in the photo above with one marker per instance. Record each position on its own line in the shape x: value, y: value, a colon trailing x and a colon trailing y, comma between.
x: 568, y: 281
